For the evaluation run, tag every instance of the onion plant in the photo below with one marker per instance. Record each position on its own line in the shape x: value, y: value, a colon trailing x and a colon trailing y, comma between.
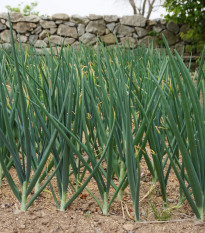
x: 190, y: 142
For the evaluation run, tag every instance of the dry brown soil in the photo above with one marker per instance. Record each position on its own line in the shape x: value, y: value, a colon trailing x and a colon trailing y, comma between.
x: 84, y: 214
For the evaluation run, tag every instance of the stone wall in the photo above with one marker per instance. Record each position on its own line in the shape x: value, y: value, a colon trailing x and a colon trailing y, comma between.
x: 132, y: 30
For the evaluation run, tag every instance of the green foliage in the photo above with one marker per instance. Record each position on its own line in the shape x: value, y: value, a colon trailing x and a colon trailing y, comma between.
x: 26, y: 10
x: 153, y: 33
x: 160, y: 215
x: 192, y: 13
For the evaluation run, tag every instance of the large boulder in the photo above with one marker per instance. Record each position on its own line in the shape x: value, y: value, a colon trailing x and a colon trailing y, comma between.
x: 88, y: 38
x: 57, y: 40
x: 108, y: 39
x: 64, y: 30
x: 94, y: 17
x: 111, y: 18
x: 40, y: 44
x: 123, y: 30
x: 30, y: 19
x: 146, y: 41
x: 128, y: 42
x: 47, y: 24
x: 134, y: 20
x: 15, y: 16
x: 179, y: 47
x: 171, y: 37
x: 23, y: 38
x: 173, y: 27
x: 23, y: 27
x: 2, y: 27
x: 96, y: 27
x: 6, y: 37
x: 141, y: 32
x: 78, y: 19
x: 60, y: 16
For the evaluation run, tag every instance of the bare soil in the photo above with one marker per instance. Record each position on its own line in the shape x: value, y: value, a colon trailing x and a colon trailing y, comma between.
x: 84, y: 214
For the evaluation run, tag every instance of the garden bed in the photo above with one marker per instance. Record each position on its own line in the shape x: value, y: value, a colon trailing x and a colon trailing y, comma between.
x: 84, y: 214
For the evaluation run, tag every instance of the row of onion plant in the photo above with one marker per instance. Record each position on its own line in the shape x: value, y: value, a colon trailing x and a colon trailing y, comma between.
x: 86, y: 113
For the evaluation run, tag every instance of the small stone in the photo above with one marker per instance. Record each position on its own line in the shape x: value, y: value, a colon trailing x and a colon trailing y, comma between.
x: 143, y: 212
x: 128, y: 42
x: 37, y: 30
x: 22, y: 226
x: 6, y: 205
x: 64, y: 30
x: 60, y: 16
x: 69, y: 41
x: 88, y: 38
x: 151, y: 22
x: 40, y: 44
x: 46, y: 40
x: 81, y: 29
x: 2, y: 26
x: 111, y: 18
x: 76, y: 45
x: 111, y: 26
x: 23, y: 38
x: 162, y: 21
x: 141, y: 32
x: 171, y: 37
x: 3, y: 21
x: 47, y: 24
x: 71, y: 24
x: 148, y: 40
x: 5, y: 36
x: 7, y: 24
x: 96, y: 27
x: 30, y: 19
x: 78, y: 19
x: 23, y: 27
x: 108, y: 39
x: 134, y: 20
x: 33, y: 39
x: 124, y: 30
x: 170, y: 200
x: 157, y: 28
x: 107, y: 31
x: 53, y: 31
x: 128, y: 227
x: 95, y: 17
x: 14, y: 16
x: 173, y: 27
x: 135, y: 35
x: 59, y: 21
x: 43, y: 34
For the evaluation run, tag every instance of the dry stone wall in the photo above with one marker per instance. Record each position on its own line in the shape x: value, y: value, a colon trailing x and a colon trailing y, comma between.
x: 129, y: 30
